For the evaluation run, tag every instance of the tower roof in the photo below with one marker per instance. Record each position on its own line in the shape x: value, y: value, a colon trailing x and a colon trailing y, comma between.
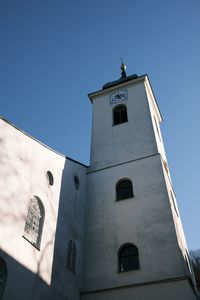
x: 123, y: 78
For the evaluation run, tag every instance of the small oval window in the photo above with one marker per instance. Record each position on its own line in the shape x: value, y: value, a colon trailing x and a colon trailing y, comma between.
x: 76, y: 182
x: 50, y: 178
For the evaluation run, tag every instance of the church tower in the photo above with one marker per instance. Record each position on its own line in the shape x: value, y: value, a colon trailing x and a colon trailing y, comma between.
x: 134, y: 242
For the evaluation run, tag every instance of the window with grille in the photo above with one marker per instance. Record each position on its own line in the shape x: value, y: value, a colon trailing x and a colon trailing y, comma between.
x: 120, y: 114
x: 34, y: 222
x: 124, y: 189
x: 71, y: 256
x: 128, y: 258
x: 3, y: 277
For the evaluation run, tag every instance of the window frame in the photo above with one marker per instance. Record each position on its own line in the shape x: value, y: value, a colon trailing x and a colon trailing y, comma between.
x: 123, y: 116
x: 32, y: 233
x: 129, y: 191
x: 132, y: 259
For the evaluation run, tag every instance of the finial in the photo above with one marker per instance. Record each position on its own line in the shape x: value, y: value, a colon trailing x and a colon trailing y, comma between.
x: 123, y: 68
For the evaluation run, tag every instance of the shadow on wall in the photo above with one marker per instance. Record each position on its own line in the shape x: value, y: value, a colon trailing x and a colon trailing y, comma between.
x: 17, y: 282
x: 66, y: 270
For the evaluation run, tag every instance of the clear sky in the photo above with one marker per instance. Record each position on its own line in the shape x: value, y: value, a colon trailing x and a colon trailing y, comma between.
x: 54, y: 52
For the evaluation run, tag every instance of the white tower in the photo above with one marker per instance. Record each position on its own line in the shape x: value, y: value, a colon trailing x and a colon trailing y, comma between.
x: 135, y: 246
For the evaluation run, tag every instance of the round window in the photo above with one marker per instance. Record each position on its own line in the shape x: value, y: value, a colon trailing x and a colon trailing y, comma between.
x: 50, y: 178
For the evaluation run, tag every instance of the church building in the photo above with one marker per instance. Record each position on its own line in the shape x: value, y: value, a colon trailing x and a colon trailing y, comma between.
x: 107, y: 231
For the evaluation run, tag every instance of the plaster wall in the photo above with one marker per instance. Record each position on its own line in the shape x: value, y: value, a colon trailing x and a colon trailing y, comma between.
x: 169, y: 290
x: 144, y: 220
x: 179, y: 228
x: 23, y: 166
x: 156, y: 119
x: 127, y: 141
x: 70, y: 225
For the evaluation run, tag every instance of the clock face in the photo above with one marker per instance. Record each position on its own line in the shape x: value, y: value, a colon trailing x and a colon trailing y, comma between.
x: 118, y: 96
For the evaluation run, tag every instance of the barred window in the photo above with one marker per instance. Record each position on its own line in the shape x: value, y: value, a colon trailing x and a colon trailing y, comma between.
x: 3, y: 276
x: 34, y: 222
x: 120, y: 114
x: 124, y: 189
x: 128, y: 258
x: 71, y: 256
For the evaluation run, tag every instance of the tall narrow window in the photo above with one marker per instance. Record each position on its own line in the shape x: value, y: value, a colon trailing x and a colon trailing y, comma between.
x: 76, y: 182
x: 34, y: 222
x: 128, y: 258
x: 50, y: 177
x: 124, y: 189
x: 71, y: 256
x: 120, y: 114
x: 3, y: 277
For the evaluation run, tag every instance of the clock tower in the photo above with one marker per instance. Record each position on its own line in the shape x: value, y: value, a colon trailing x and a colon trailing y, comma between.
x: 134, y: 242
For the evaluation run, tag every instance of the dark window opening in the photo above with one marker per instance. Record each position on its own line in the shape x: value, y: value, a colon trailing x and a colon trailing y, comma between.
x: 71, y: 256
x: 128, y: 258
x: 50, y: 178
x: 120, y: 115
x: 3, y: 277
x: 124, y: 189
x: 76, y: 182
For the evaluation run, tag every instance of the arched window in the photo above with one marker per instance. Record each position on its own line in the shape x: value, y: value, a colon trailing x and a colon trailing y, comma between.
x: 124, y: 189
x: 34, y: 222
x: 71, y: 256
x: 128, y: 258
x: 120, y: 114
x: 3, y: 277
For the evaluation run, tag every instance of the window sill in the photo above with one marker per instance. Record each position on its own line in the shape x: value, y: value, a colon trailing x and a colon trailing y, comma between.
x: 35, y: 246
x: 118, y: 200
x: 119, y: 123
x: 128, y: 271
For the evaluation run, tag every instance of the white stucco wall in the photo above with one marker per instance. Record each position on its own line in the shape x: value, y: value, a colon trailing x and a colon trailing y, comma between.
x: 166, y: 290
x: 23, y: 166
x: 144, y: 220
x: 128, y: 141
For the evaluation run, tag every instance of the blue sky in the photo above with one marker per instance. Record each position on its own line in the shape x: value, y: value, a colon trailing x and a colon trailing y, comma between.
x: 53, y: 53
